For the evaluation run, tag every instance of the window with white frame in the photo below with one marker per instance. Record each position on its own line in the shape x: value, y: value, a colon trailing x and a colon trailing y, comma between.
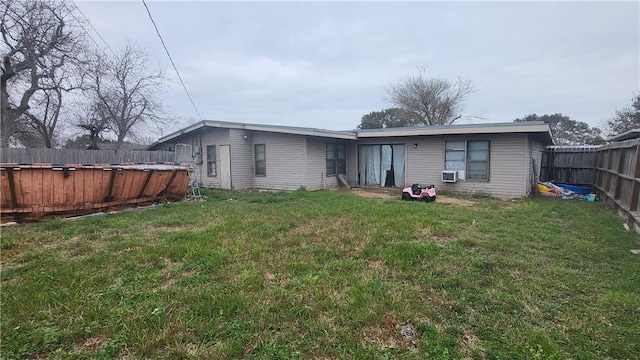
x: 478, y: 160
x: 470, y: 158
x: 260, y: 160
x: 211, y: 161
x: 336, y: 159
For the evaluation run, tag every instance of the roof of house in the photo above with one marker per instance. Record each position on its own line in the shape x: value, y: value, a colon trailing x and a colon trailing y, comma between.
x: 631, y: 134
x: 458, y: 129
x: 259, y: 127
x: 105, y: 145
x: 539, y: 128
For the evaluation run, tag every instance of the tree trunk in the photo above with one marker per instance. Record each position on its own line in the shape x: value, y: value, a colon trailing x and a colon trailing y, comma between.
x: 6, y: 124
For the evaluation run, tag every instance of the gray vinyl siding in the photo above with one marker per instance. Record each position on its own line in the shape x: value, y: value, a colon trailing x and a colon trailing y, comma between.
x: 316, y: 164
x: 199, y: 141
x: 285, y: 161
x: 425, y: 162
x: 294, y: 161
x: 241, y: 158
x: 535, y: 150
x: 210, y: 137
x: 507, y: 161
x: 528, y: 173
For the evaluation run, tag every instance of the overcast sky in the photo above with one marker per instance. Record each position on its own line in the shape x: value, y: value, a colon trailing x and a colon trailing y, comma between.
x: 325, y: 64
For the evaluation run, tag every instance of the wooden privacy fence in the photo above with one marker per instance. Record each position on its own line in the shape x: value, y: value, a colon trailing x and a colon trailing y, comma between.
x: 569, y: 164
x: 83, y: 157
x: 618, y: 179
x: 612, y: 169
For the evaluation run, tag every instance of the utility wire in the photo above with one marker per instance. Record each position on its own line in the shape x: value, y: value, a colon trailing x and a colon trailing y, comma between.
x: 172, y: 63
x: 94, y: 29
x: 81, y: 24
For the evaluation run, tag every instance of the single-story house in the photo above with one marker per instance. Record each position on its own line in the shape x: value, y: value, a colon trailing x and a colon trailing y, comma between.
x: 499, y: 159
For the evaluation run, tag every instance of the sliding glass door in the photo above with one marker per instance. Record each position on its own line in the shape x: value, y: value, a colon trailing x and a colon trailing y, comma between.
x: 381, y: 165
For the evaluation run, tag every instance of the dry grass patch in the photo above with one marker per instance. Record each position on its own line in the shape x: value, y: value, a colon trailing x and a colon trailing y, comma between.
x: 378, y: 193
x: 441, y: 241
x: 385, y: 335
x: 377, y: 265
x: 381, y: 193
x: 321, y: 229
x: 90, y: 345
x: 170, y: 281
x: 470, y: 343
x: 442, y: 199
x: 269, y: 276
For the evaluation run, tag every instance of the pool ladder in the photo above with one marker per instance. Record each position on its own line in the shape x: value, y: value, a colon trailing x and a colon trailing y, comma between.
x: 184, y: 155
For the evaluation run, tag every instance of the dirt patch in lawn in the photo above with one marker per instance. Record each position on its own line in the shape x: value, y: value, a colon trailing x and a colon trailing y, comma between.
x: 90, y: 345
x: 384, y: 335
x: 470, y: 343
x: 454, y: 201
x: 381, y: 193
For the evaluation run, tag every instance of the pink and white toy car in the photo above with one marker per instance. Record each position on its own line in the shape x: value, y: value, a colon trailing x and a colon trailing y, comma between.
x: 417, y: 192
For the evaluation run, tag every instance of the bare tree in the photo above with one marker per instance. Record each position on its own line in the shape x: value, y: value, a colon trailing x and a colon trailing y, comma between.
x: 92, y: 119
x: 25, y: 135
x: 37, y: 43
x: 432, y: 101
x: 45, y: 124
x: 127, y: 94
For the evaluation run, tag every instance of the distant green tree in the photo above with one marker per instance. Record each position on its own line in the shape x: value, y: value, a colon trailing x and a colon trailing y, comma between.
x: 566, y: 131
x: 392, y: 117
x: 626, y: 119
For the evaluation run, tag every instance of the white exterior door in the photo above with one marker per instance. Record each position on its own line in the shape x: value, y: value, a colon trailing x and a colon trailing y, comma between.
x: 225, y: 167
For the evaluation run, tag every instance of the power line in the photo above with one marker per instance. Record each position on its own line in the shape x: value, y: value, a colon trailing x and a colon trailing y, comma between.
x: 172, y: 63
x: 94, y: 29
x: 80, y: 23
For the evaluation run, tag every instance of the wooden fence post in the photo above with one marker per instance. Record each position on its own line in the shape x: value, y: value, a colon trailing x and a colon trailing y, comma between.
x: 635, y: 187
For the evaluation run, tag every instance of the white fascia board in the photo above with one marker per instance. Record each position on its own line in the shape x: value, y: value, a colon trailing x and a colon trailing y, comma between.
x: 303, y: 131
x: 631, y: 134
x: 266, y: 128
x: 180, y: 132
x: 497, y: 129
x: 283, y: 129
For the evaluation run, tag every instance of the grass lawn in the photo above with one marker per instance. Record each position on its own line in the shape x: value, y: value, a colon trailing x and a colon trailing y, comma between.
x: 317, y: 275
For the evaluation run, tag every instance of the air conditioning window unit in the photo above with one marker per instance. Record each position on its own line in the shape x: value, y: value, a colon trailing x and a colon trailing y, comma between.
x: 450, y: 176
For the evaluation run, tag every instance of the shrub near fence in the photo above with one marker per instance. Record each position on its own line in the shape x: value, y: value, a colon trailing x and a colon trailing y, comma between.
x: 618, y: 179
x: 82, y: 157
